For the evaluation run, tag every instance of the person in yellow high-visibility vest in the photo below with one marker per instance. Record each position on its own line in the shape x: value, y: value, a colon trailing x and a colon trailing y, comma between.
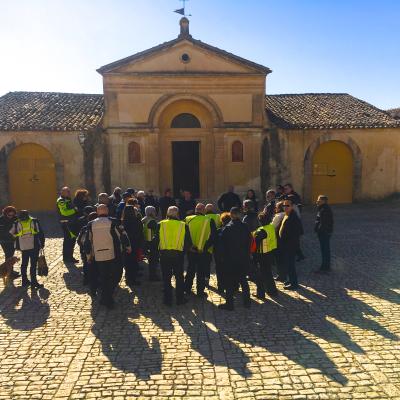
x: 68, y: 217
x: 150, y: 246
x: 29, y: 240
x: 203, y: 232
x: 173, y: 238
x: 266, y: 244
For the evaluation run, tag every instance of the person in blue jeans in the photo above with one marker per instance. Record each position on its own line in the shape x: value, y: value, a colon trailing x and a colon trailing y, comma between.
x: 324, y: 229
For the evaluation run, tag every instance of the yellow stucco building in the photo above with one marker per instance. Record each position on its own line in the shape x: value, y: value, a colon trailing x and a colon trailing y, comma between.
x: 187, y: 115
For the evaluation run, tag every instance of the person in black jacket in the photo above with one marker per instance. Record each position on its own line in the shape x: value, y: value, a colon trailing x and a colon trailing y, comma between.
x: 270, y: 205
x: 116, y: 197
x: 289, y: 233
x: 250, y: 219
x: 83, y: 221
x: 250, y: 216
x: 165, y: 202
x: 151, y: 200
x: 133, y: 226
x: 324, y: 229
x: 80, y: 201
x: 220, y: 267
x: 289, y: 191
x: 186, y: 205
x: 235, y: 242
x: 228, y: 200
x: 251, y: 195
x: 7, y: 219
x: 105, y: 244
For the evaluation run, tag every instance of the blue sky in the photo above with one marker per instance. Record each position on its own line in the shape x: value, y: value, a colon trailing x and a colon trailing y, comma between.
x: 350, y: 46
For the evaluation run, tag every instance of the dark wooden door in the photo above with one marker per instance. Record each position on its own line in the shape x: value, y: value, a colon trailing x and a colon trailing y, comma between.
x: 186, y: 174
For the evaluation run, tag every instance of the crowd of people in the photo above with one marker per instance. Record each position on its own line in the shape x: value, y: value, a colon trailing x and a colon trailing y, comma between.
x: 119, y: 231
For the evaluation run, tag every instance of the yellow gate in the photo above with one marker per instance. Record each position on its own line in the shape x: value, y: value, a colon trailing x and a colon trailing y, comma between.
x: 32, y: 178
x: 333, y: 172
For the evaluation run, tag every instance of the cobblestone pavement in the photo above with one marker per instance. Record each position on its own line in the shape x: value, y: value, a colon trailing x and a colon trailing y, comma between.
x: 337, y: 338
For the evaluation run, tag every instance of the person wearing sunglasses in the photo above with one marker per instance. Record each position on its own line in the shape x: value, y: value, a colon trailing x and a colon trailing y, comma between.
x: 290, y: 231
x: 7, y: 241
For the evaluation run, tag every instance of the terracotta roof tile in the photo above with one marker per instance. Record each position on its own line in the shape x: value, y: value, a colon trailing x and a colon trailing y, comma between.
x: 394, y: 112
x: 325, y: 111
x: 44, y: 111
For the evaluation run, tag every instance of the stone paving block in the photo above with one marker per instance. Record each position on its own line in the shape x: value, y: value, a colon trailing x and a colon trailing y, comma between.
x: 337, y: 338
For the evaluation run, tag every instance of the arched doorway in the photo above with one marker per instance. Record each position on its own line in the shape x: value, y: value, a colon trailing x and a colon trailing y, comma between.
x: 332, y: 172
x: 186, y: 144
x: 32, y: 178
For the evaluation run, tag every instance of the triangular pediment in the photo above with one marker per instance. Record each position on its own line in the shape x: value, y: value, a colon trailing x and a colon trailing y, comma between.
x: 184, y: 56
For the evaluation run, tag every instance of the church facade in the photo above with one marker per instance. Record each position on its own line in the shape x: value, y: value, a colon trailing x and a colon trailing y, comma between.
x: 187, y: 115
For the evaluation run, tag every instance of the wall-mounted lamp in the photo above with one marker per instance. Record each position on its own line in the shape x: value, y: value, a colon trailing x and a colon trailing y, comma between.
x: 82, y: 137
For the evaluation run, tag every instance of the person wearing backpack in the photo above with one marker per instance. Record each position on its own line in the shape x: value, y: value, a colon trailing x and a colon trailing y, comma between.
x: 105, y: 244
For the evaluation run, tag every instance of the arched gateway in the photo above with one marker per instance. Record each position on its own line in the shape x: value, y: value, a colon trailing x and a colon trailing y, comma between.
x: 32, y: 178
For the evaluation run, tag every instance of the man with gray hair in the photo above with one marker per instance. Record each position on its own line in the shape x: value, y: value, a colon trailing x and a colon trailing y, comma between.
x: 172, y: 238
x: 150, y: 245
x: 104, y: 198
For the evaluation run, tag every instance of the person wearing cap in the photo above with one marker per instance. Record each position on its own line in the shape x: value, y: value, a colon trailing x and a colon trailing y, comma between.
x: 7, y: 241
x: 235, y: 244
x: 125, y: 197
x: 105, y: 244
x: 324, y: 228
x: 173, y: 238
x: 131, y: 191
x: 202, y: 232
x: 150, y: 245
x: 29, y: 240
x: 68, y: 219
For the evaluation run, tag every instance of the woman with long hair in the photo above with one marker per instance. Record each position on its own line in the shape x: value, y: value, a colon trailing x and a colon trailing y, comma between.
x: 81, y: 200
x: 251, y: 195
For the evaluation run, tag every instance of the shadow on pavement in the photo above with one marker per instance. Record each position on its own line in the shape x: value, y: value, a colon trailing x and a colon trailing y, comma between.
x: 121, y: 340
x: 73, y: 278
x: 24, y: 309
